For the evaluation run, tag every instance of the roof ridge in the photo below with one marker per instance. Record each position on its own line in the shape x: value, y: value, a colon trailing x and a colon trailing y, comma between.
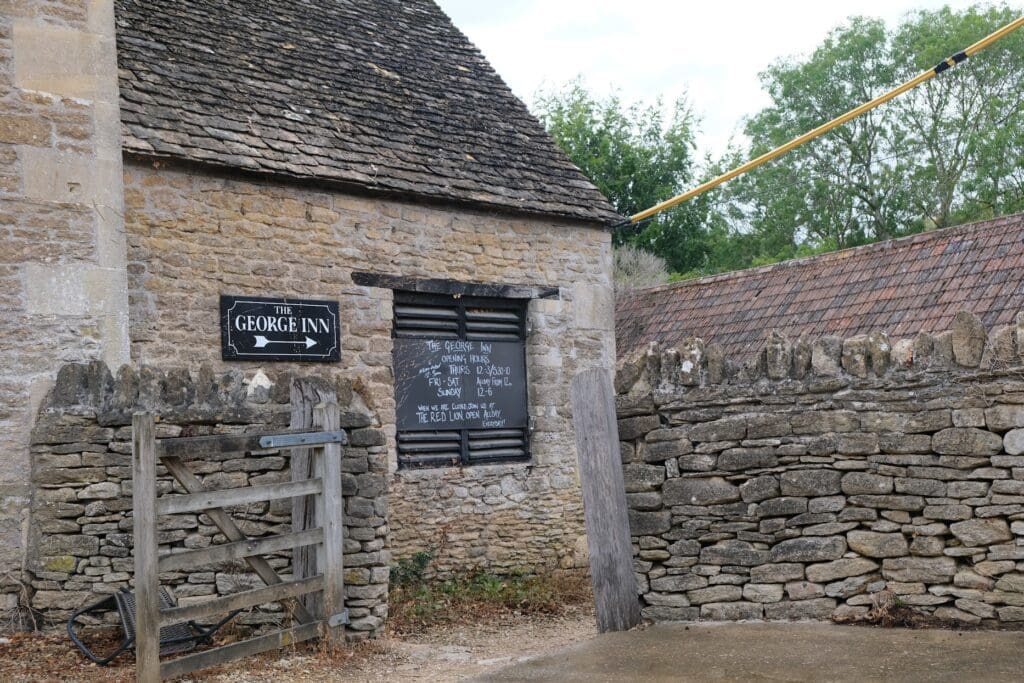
x: 882, y: 245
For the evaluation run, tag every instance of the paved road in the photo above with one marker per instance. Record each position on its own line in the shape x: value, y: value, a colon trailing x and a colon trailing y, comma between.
x: 780, y: 652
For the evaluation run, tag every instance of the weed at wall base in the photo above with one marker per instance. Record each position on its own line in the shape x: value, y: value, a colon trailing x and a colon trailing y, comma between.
x: 417, y: 603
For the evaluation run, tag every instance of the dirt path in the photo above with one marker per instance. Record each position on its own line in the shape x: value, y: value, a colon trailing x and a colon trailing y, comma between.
x: 449, y: 654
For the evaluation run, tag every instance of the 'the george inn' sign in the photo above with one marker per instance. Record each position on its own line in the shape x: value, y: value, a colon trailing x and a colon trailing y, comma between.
x: 257, y: 328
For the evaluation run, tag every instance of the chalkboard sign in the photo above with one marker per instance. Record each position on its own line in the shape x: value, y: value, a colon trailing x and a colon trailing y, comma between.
x: 456, y: 384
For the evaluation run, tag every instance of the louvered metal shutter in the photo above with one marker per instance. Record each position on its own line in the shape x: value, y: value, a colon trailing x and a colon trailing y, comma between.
x: 426, y: 316
x: 420, y: 321
x: 496, y: 445
x: 429, y: 449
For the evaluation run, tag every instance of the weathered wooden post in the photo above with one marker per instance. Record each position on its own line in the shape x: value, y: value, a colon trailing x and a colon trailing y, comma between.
x: 147, y: 583
x: 330, y: 509
x: 604, y: 501
x: 306, y: 395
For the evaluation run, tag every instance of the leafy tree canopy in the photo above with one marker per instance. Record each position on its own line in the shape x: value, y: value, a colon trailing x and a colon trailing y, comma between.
x: 950, y: 151
x: 637, y: 156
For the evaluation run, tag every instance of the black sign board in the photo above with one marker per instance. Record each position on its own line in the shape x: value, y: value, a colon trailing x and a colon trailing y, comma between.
x: 257, y: 328
x: 451, y: 384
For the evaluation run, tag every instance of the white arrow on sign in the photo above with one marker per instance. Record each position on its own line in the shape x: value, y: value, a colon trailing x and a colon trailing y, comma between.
x: 263, y: 342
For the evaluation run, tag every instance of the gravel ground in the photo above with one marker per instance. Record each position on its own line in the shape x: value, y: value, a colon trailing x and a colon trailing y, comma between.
x: 441, y: 654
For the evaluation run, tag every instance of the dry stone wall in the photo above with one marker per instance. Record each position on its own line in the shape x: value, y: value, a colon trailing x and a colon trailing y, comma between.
x: 81, y: 472
x: 826, y: 478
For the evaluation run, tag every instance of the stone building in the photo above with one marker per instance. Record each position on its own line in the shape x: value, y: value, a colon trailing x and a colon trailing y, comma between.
x: 832, y: 438
x: 158, y: 156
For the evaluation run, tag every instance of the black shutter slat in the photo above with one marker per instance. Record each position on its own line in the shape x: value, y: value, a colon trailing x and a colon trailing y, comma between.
x: 494, y: 433
x: 429, y: 324
x: 428, y: 436
x: 494, y: 315
x: 491, y: 336
x: 491, y: 444
x: 481, y: 440
x: 486, y: 445
x: 403, y: 311
x: 495, y: 324
x: 430, y: 334
x: 497, y: 455
x: 493, y: 327
x: 426, y: 322
x: 429, y: 449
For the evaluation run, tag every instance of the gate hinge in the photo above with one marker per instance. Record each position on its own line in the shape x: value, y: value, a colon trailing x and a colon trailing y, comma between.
x: 304, y: 439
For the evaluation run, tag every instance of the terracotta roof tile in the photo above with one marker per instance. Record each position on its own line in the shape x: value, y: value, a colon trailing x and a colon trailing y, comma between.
x: 904, y: 286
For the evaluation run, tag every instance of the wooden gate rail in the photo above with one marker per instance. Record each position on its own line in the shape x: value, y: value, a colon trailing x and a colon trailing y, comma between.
x: 325, y: 486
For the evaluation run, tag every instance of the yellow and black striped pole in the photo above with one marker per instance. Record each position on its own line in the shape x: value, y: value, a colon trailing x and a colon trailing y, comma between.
x: 944, y: 65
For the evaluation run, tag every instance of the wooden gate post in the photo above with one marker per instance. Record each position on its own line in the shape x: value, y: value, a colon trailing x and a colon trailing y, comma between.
x: 604, y: 501
x: 146, y: 549
x: 306, y: 395
x: 330, y: 510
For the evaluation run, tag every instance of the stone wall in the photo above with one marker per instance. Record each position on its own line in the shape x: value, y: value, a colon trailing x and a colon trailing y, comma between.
x: 194, y: 235
x: 825, y: 478
x: 81, y: 471
x: 62, y: 248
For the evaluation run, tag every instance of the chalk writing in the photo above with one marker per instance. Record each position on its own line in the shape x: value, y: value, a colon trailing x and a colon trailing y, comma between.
x: 459, y: 384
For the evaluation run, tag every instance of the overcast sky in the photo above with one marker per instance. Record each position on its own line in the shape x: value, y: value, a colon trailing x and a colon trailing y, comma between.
x: 645, y: 48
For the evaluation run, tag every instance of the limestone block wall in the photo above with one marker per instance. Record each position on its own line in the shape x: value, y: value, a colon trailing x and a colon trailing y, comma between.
x: 193, y: 235
x: 62, y: 248
x: 81, y: 537
x: 827, y: 477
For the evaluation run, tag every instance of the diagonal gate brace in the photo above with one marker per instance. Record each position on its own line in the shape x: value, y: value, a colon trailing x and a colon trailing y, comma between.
x: 227, y: 526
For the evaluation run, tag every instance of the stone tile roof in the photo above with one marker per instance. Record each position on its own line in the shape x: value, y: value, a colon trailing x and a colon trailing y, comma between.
x: 902, y: 287
x: 384, y: 95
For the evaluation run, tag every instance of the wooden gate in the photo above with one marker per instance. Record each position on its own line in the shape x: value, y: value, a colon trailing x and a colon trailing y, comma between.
x: 324, y: 485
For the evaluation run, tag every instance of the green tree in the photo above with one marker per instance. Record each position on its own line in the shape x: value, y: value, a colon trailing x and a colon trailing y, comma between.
x: 947, y: 152
x: 842, y: 189
x: 965, y: 129
x: 637, y: 158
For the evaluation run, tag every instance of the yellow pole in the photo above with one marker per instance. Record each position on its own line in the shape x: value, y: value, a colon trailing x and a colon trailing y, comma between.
x: 834, y: 123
